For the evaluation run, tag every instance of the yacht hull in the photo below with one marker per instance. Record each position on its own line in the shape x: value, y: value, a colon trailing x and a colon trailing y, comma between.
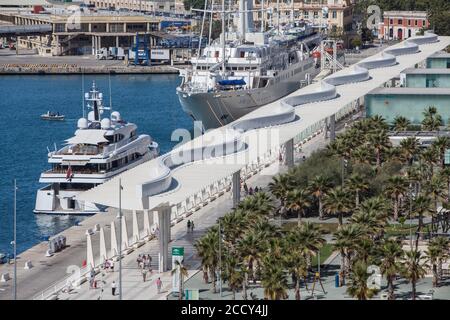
x: 215, y: 109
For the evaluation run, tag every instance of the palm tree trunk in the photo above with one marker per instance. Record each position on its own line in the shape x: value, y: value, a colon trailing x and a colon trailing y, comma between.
x: 234, y: 294
x: 439, y: 269
x: 413, y: 284
x: 396, y: 208
x: 435, y: 276
x: 213, y: 280
x: 378, y: 157
x: 299, y: 218
x: 244, y: 286
x: 340, y: 219
x: 321, y: 205
x: 357, y: 199
x: 342, y: 273
x: 297, y: 289
x: 391, y: 295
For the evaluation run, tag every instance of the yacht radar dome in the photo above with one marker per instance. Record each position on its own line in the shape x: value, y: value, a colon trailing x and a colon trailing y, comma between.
x: 82, y: 123
x: 91, y: 116
x: 105, y: 123
x: 115, y: 116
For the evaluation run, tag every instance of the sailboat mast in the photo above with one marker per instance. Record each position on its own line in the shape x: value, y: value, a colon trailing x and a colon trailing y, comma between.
x: 262, y: 15
x: 278, y: 17
x: 223, y: 36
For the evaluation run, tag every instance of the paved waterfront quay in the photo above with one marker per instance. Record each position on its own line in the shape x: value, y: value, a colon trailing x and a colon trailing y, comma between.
x: 26, y: 62
x: 48, y: 271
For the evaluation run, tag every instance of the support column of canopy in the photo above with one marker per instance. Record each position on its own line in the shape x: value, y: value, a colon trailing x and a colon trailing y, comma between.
x: 289, y: 153
x: 236, y: 188
x: 164, y: 213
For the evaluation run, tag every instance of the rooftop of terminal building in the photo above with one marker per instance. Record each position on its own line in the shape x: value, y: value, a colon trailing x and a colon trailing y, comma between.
x: 426, y: 71
x: 410, y: 91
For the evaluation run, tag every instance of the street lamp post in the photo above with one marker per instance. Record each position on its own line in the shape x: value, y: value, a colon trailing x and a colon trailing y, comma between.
x: 120, y: 239
x: 220, y: 260
x: 14, y: 243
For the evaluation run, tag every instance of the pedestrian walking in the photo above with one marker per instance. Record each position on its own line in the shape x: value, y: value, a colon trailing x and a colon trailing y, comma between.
x: 192, y: 226
x: 250, y: 191
x: 188, y: 225
x: 113, y: 288
x: 246, y: 189
x: 144, y: 274
x: 139, y: 260
x: 158, y: 284
x: 256, y: 189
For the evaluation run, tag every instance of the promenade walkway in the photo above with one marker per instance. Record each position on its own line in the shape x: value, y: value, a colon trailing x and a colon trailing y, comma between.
x: 133, y: 285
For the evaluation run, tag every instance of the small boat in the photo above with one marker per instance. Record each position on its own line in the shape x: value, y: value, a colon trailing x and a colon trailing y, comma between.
x: 52, y: 116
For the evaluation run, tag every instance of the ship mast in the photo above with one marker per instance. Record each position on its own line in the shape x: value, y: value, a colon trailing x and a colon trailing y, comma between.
x: 223, y: 36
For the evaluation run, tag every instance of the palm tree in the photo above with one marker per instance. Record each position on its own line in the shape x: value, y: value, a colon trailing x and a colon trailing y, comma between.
x: 401, y: 123
x: 274, y: 280
x: 414, y: 268
x: 432, y: 120
x: 345, y: 242
x: 437, y: 254
x: 409, y: 148
x: 434, y: 189
x: 440, y: 145
x: 362, y: 154
x: 182, y: 271
x: 307, y: 239
x: 298, y: 200
x: 297, y: 266
x: 379, y: 141
x: 429, y: 157
x: 207, y: 249
x: 356, y: 184
x: 369, y: 221
x: 336, y: 201
x: 259, y: 204
x: 378, y: 122
x: 250, y: 250
x: 318, y: 188
x: 358, y: 287
x: 279, y: 187
x: 391, y: 253
x: 396, y: 188
x: 445, y: 175
x: 232, y: 274
x: 422, y: 205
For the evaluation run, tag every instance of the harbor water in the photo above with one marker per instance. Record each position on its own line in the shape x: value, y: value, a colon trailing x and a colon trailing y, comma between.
x: 149, y: 101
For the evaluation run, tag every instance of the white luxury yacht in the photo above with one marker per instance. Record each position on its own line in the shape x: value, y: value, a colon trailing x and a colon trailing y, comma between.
x: 100, y: 149
x: 245, y: 70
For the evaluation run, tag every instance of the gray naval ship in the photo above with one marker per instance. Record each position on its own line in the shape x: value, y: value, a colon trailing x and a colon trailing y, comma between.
x: 259, y: 68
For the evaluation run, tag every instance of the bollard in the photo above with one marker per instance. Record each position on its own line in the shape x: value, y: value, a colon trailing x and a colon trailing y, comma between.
x: 4, y: 277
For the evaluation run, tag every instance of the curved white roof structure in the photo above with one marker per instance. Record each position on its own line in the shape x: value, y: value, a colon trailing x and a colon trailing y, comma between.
x: 245, y: 140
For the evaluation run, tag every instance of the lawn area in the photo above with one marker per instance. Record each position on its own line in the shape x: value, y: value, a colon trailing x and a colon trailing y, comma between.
x: 325, y: 252
x: 403, y: 230
x: 327, y: 227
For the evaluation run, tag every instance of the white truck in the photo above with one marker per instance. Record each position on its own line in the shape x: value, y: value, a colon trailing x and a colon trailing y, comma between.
x: 113, y: 53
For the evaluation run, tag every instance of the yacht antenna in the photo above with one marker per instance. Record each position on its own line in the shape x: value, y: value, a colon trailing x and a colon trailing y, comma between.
x: 278, y: 17
x: 110, y: 94
x: 201, y: 36
x: 82, y: 93
x: 210, y: 22
x: 223, y: 36
x: 262, y: 15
